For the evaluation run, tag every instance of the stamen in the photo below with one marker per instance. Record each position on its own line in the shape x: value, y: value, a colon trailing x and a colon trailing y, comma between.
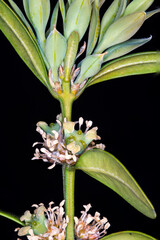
x: 82, y: 49
x: 81, y: 120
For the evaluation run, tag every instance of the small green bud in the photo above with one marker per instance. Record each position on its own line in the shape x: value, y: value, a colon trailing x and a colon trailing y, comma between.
x: 89, y: 67
x: 78, y: 17
x: 38, y: 222
x: 55, y: 51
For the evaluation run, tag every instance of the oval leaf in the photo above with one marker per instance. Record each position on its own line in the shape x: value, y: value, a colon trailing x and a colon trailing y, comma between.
x: 22, y: 41
x: 39, y: 14
x: 78, y: 17
x: 11, y: 217
x: 55, y: 51
x: 128, y: 235
x: 105, y: 168
x: 89, y: 67
x: 141, y: 63
x: 121, y: 30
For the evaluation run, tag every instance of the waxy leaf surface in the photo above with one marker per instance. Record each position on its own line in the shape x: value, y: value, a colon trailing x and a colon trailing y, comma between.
x: 78, y: 17
x: 22, y: 41
x: 121, y: 30
x: 124, y: 48
x: 128, y: 235
x: 141, y: 63
x: 136, y: 6
x: 55, y: 50
x: 94, y: 28
x: 89, y: 67
x: 105, y: 168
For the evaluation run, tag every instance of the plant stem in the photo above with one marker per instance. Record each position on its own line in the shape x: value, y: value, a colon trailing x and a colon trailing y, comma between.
x: 69, y: 184
x: 68, y: 171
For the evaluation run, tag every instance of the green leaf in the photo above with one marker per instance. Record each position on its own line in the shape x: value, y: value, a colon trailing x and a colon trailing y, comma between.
x: 78, y: 17
x: 137, y: 6
x: 62, y: 9
x: 121, y: 30
x: 89, y: 67
x: 26, y: 8
x: 22, y: 17
x: 55, y: 51
x: 108, y: 17
x: 94, y: 27
x: 135, y: 64
x: 22, y: 41
x: 39, y: 14
x: 11, y: 217
x: 105, y: 168
x: 128, y: 235
x: 54, y: 16
x: 124, y: 48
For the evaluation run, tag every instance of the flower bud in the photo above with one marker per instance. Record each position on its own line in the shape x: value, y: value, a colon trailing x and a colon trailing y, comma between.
x: 55, y: 51
x: 89, y: 67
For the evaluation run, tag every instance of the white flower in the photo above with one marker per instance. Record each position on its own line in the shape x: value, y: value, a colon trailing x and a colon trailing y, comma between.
x: 62, y: 143
x: 89, y: 227
x: 50, y: 221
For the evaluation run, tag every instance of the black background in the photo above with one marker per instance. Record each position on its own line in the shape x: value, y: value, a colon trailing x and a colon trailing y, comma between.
x: 126, y: 111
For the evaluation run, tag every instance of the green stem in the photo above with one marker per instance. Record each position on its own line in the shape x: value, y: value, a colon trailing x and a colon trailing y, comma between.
x: 68, y: 171
x: 69, y: 184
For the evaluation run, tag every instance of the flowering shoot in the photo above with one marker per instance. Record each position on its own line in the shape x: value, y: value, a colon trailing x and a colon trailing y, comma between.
x: 63, y: 144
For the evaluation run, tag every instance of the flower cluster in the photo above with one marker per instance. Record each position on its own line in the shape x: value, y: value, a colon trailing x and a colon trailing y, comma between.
x: 89, y: 227
x: 62, y: 143
x: 46, y: 224
x: 50, y: 224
